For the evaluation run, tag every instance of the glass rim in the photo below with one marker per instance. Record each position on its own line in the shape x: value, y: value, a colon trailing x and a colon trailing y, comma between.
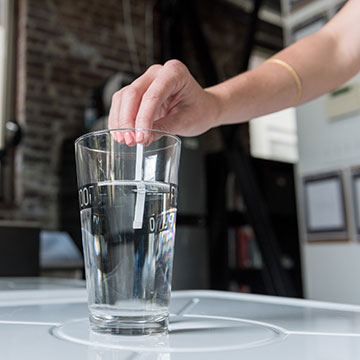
x: 107, y: 131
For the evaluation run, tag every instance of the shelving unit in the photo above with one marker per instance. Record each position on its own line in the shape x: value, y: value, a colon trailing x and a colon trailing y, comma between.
x: 277, y: 186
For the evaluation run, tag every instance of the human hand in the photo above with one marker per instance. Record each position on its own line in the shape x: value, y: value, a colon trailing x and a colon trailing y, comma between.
x: 166, y: 97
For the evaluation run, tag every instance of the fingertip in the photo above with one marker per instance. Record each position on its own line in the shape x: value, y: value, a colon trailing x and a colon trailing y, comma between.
x: 120, y: 137
x: 149, y: 139
x: 140, y: 137
x: 115, y: 136
x: 129, y: 138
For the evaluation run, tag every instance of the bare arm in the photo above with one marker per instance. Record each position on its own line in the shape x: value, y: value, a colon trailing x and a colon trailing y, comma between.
x: 168, y: 98
x: 323, y: 61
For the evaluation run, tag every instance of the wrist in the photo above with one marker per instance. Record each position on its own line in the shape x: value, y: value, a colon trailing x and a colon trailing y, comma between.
x: 217, y: 106
x: 232, y: 100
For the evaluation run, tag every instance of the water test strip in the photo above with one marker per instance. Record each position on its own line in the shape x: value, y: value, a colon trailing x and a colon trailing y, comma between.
x: 140, y: 196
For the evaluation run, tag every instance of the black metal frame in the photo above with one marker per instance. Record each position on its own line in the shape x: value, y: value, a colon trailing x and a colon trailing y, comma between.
x: 275, y: 278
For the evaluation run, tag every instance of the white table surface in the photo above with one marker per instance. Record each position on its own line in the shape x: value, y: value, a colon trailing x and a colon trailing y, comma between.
x: 47, y: 319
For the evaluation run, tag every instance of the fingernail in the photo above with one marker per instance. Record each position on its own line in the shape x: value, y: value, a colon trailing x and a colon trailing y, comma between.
x: 139, y: 136
x: 128, y: 138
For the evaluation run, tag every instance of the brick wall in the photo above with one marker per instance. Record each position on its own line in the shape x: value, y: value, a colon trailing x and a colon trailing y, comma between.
x: 64, y: 49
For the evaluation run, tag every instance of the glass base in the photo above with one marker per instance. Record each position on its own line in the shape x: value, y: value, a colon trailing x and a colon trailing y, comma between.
x: 119, y: 325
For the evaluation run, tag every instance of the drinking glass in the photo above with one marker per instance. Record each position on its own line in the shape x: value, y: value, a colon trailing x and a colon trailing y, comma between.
x: 128, y: 198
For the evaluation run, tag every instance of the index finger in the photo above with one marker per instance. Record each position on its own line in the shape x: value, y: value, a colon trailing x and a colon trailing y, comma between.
x: 125, y: 102
x: 168, y: 82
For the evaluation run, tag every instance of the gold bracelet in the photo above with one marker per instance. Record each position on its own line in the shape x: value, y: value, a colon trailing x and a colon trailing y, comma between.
x: 294, y: 75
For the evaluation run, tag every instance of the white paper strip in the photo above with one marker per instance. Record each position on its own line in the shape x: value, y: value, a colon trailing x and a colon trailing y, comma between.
x: 140, y: 196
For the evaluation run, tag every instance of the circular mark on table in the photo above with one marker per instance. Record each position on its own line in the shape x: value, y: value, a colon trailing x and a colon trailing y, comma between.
x: 187, y: 333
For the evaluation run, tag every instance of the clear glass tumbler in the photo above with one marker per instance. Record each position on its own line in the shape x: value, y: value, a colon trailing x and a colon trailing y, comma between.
x: 127, y: 197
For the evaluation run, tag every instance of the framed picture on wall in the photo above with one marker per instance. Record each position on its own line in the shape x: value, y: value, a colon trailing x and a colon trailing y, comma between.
x: 355, y: 179
x: 325, y: 207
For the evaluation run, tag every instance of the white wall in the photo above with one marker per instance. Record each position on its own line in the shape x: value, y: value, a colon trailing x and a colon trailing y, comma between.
x: 332, y: 272
x: 274, y: 136
x: 331, y: 269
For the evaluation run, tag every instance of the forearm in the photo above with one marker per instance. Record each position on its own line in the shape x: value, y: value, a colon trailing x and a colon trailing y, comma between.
x: 322, y: 61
